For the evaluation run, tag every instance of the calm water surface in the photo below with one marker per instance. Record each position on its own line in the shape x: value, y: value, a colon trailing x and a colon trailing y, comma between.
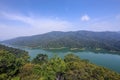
x: 110, y: 61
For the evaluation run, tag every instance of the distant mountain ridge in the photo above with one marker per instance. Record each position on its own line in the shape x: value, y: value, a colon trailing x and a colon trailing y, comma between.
x: 73, y: 39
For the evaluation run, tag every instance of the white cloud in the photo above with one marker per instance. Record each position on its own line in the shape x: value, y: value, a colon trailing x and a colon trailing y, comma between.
x: 85, y: 18
x: 38, y: 22
x: 108, y: 23
x: 30, y: 25
x: 14, y: 25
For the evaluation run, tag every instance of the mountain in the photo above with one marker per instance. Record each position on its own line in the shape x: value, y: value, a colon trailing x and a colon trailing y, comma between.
x: 73, y: 39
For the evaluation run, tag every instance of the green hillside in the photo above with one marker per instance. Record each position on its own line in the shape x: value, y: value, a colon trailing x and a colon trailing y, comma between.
x: 71, y: 67
x: 109, y: 41
x: 11, y: 60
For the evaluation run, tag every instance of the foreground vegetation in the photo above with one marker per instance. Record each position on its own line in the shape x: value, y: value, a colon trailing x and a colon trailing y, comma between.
x: 71, y: 67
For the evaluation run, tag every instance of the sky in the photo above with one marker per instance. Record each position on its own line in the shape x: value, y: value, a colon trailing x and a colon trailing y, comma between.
x: 31, y: 17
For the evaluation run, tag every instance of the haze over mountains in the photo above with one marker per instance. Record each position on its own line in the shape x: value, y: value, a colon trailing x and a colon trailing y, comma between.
x: 72, y: 39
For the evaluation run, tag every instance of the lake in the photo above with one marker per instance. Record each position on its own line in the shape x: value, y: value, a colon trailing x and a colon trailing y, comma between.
x: 108, y: 60
x: 111, y: 61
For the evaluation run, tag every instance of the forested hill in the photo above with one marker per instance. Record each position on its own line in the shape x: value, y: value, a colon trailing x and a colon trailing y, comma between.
x: 17, y: 52
x: 14, y: 67
x: 73, y: 39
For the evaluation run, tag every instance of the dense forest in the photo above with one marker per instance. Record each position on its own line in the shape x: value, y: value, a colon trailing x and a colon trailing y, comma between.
x: 17, y: 52
x: 71, y: 67
x: 11, y: 60
x: 81, y: 40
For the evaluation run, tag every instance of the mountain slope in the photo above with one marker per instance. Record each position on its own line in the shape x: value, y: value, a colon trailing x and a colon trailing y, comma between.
x: 17, y: 52
x: 77, y: 39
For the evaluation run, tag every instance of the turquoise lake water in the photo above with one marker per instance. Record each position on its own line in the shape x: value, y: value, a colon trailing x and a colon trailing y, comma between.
x: 108, y: 60
x: 111, y: 61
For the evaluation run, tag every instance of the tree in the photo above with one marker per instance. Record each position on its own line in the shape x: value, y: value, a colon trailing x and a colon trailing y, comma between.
x: 40, y: 59
x: 71, y: 57
x: 9, y: 65
x: 54, y: 69
x: 57, y: 65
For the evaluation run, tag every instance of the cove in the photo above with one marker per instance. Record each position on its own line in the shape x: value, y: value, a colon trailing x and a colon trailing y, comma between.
x: 105, y: 59
x: 108, y: 60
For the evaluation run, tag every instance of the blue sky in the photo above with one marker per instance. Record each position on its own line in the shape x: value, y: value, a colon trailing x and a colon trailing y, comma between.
x: 30, y: 17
